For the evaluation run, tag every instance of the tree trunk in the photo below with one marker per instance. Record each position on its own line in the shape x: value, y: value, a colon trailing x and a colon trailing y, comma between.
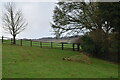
x: 14, y: 41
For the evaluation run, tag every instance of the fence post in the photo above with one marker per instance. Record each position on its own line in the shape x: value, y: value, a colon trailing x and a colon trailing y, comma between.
x: 2, y: 39
x: 51, y: 45
x: 11, y: 40
x: 73, y: 47
x: 30, y: 42
x: 62, y: 46
x: 41, y: 44
x: 21, y: 42
x: 78, y: 46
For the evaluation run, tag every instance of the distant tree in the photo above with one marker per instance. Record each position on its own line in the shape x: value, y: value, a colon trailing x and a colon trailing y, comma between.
x: 13, y: 20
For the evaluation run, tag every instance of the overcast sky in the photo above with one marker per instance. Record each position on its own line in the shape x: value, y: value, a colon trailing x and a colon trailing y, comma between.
x: 38, y: 15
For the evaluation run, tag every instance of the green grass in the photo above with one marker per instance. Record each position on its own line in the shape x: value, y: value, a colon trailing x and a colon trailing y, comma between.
x: 0, y: 59
x: 36, y: 62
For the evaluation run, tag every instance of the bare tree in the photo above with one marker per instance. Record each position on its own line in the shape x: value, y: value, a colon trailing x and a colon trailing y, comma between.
x: 13, y: 20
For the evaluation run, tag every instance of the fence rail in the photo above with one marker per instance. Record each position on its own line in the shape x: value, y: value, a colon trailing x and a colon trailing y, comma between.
x: 26, y: 42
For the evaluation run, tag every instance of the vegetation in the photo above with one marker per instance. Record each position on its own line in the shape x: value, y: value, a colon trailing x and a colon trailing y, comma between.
x: 35, y: 62
x: 0, y: 59
x: 98, y: 22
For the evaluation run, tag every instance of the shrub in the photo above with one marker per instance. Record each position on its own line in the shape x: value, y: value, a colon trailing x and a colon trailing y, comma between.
x: 87, y: 44
x: 101, y: 46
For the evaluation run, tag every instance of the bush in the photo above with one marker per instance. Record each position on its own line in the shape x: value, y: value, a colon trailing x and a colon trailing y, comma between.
x: 87, y: 44
x: 105, y: 48
x: 93, y: 47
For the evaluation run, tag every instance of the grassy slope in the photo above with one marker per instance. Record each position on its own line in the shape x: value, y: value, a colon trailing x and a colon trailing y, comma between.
x: 0, y: 59
x: 35, y: 62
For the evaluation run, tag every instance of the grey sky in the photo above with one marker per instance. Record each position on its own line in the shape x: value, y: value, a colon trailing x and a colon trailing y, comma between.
x: 38, y: 15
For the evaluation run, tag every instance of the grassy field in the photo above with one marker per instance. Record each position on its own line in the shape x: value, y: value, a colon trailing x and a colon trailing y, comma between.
x: 36, y: 62
x: 0, y: 60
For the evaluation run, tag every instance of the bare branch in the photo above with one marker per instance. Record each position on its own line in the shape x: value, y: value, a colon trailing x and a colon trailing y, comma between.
x: 13, y: 20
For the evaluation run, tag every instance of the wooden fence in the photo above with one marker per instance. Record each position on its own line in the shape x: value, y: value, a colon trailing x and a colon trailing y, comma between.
x: 29, y: 42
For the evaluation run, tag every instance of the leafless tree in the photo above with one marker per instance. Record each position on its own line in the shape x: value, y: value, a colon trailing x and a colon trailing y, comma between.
x: 13, y: 20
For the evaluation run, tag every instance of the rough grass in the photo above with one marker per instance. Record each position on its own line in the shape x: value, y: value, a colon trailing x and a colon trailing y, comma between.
x: 82, y: 58
x: 36, y: 62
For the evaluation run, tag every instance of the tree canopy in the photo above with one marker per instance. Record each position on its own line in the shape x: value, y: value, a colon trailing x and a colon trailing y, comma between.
x: 98, y: 21
x: 77, y: 17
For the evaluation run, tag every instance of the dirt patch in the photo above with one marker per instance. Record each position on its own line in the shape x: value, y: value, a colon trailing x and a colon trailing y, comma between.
x: 79, y: 58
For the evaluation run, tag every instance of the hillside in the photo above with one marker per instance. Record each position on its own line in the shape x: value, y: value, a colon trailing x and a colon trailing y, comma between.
x: 35, y: 62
